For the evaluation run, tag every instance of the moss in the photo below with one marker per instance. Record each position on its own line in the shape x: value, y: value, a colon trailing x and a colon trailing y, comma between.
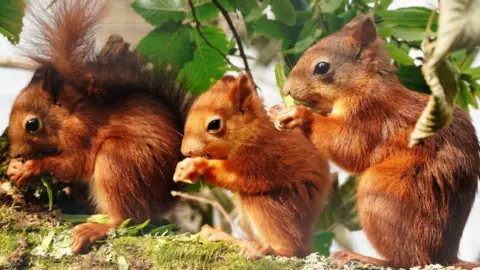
x: 8, y: 243
x: 47, y: 243
x: 188, y: 252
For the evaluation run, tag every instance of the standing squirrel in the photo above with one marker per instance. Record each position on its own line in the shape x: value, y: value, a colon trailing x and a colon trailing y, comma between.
x: 413, y: 203
x: 280, y: 180
x: 105, y: 120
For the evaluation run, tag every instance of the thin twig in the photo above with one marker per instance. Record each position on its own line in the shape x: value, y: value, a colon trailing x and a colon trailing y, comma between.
x: 18, y: 63
x: 237, y: 38
x: 215, y: 204
x: 409, y: 44
x: 197, y: 26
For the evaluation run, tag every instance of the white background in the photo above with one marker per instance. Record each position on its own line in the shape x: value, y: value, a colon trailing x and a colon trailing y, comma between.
x: 12, y: 81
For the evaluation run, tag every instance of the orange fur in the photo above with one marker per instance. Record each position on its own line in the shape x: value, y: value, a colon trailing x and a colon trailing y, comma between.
x: 123, y: 139
x: 413, y: 203
x: 280, y: 180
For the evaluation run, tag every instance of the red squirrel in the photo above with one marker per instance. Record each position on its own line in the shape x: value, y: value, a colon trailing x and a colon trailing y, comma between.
x: 413, y: 203
x: 280, y: 180
x: 105, y: 120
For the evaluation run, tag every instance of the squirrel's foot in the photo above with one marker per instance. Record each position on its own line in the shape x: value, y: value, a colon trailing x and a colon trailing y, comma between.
x: 84, y: 235
x: 255, y: 251
x: 190, y: 170
x: 22, y: 171
x: 340, y: 258
x: 293, y: 117
x: 467, y: 265
x: 216, y: 234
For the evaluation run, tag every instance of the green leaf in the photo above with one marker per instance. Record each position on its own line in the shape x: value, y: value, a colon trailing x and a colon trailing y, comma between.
x: 244, y: 6
x: 476, y: 88
x: 257, y: 12
x: 74, y: 219
x: 322, y: 241
x: 331, y: 5
x: 410, y: 17
x: 125, y: 223
x: 162, y: 229
x: 467, y: 61
x: 309, y: 34
x: 98, y: 218
x: 268, y: 28
x: 284, y: 11
x: 384, y: 4
x: 399, y: 55
x: 306, y: 43
x: 281, y: 79
x: 443, y: 82
x: 465, y: 96
x: 412, y: 78
x: 208, y: 65
x: 474, y: 72
x: 384, y: 30
x: 11, y: 15
x: 169, y: 43
x: 408, y: 33
x: 159, y: 12
x: 340, y: 207
x: 47, y: 186
x: 205, y: 12
x: 134, y: 230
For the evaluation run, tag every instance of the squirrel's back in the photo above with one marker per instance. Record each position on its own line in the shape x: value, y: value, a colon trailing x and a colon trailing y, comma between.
x: 64, y: 42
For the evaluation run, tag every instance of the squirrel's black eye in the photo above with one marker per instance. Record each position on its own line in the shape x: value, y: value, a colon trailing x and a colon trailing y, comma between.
x: 214, y: 125
x: 321, y: 68
x: 32, y: 125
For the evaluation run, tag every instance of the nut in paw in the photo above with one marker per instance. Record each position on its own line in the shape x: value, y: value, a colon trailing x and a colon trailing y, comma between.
x: 190, y: 170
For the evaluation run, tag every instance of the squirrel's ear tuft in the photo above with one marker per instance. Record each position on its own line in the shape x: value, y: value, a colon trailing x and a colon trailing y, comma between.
x: 242, y: 91
x: 51, y: 81
x: 362, y: 29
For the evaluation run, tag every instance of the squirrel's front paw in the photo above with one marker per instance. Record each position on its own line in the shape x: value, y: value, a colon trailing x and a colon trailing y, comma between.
x: 275, y: 110
x: 22, y: 171
x: 293, y: 117
x: 190, y: 170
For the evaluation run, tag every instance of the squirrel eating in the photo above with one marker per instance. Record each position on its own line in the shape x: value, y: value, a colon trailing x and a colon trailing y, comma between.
x: 105, y: 120
x: 279, y: 179
x: 413, y: 203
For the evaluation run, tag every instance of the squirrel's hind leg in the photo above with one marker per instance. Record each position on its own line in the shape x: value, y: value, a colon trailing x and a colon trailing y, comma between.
x: 467, y: 265
x: 343, y: 257
x: 84, y: 235
x: 251, y: 250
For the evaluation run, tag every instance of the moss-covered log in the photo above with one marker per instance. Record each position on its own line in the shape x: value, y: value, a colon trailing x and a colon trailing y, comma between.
x: 40, y: 240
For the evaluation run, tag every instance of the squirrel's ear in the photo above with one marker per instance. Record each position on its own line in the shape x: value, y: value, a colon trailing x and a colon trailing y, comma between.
x: 242, y: 91
x: 362, y: 29
x: 51, y: 81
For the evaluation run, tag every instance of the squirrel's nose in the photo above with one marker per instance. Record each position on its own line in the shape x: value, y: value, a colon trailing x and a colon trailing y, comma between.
x: 286, y: 88
x: 192, y: 148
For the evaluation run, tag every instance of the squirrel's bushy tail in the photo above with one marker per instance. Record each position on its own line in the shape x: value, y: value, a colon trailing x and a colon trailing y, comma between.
x: 63, y: 37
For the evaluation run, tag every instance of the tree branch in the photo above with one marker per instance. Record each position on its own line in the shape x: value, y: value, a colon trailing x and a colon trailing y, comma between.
x: 237, y: 38
x: 18, y: 63
x: 215, y: 204
x: 197, y: 26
